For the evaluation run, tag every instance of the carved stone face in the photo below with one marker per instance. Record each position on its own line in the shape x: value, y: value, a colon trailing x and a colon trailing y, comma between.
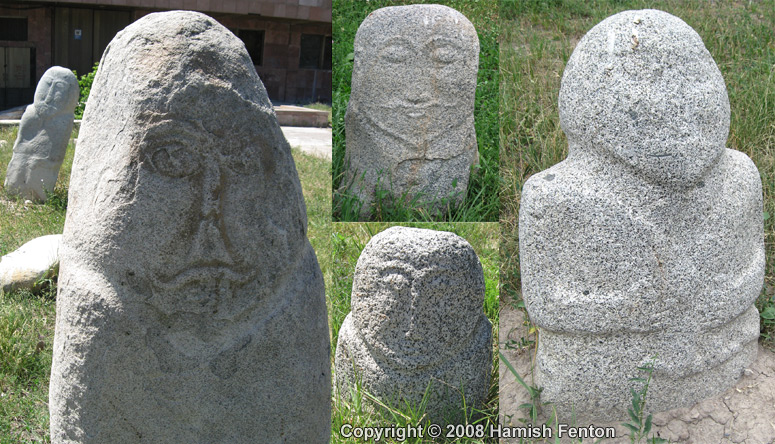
x: 185, y: 262
x: 676, y: 130
x: 190, y: 199
x: 417, y: 309
x: 415, y: 68
x: 642, y: 87
x: 200, y: 191
x: 57, y: 91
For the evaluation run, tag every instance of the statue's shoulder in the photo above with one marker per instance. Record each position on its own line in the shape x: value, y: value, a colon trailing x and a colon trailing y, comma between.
x: 569, y: 185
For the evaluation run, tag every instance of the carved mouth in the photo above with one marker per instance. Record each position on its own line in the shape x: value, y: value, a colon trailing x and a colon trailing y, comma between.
x: 411, y: 109
x: 203, y: 273
x: 415, y: 111
x: 661, y: 155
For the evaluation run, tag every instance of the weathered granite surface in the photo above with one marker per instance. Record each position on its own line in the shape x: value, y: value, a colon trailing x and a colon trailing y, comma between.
x: 416, y: 321
x: 741, y: 414
x: 43, y: 135
x: 191, y: 305
x: 648, y: 239
x: 410, y: 119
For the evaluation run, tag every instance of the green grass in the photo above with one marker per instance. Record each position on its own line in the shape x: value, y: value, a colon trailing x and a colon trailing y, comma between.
x: 538, y: 38
x: 27, y: 320
x: 315, y: 176
x: 321, y: 107
x: 26, y: 338
x: 347, y: 242
x: 481, y: 202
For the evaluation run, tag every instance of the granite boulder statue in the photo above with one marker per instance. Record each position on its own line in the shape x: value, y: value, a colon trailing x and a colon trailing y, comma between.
x: 191, y: 305
x: 410, y: 118
x: 646, y: 244
x: 44, y: 132
x: 417, y: 324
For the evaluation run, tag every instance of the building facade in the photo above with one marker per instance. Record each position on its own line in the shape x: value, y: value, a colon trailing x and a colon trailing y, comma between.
x: 288, y: 40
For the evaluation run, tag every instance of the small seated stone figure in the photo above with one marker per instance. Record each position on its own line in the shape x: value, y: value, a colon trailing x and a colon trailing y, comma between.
x: 417, y: 321
x: 410, y: 119
x: 191, y: 307
x: 647, y: 241
x: 43, y: 136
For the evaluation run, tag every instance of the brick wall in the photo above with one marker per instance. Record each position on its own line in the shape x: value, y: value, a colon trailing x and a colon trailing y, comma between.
x: 279, y: 71
x: 38, y: 34
x: 313, y: 10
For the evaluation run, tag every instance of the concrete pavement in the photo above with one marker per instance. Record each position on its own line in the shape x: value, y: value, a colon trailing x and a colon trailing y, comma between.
x: 313, y: 141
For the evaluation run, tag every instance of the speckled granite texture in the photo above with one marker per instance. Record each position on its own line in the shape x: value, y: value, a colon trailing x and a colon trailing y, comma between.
x: 648, y: 239
x: 410, y: 119
x: 191, y: 307
x: 416, y: 320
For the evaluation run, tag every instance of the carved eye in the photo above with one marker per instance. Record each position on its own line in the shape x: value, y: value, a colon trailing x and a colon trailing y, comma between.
x: 445, y: 52
x: 395, y: 279
x: 395, y: 53
x: 175, y: 161
x: 245, y: 161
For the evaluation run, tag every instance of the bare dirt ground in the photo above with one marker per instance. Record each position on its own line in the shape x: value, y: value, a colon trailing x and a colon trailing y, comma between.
x: 743, y: 414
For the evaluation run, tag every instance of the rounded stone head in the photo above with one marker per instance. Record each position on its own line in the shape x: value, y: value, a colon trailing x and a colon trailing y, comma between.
x: 417, y: 296
x: 414, y: 74
x: 184, y: 187
x: 57, y: 92
x: 642, y: 87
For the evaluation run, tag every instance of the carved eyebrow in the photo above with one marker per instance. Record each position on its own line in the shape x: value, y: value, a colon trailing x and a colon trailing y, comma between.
x: 172, y: 130
x: 176, y: 123
x: 394, y: 265
x: 445, y: 270
x: 445, y: 40
x: 397, y: 39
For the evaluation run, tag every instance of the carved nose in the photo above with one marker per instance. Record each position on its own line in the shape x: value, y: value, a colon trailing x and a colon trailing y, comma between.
x: 412, y: 332
x: 211, y: 191
x: 417, y: 97
x: 208, y: 246
x: 208, y: 243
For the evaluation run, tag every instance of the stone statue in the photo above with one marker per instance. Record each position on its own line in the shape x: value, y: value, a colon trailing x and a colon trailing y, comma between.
x: 43, y: 136
x: 647, y: 241
x: 410, y: 119
x: 416, y: 322
x: 191, y: 306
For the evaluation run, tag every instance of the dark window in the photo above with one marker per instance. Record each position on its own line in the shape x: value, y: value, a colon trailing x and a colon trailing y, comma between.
x: 13, y: 28
x: 254, y: 42
x: 315, y: 51
x: 327, y: 53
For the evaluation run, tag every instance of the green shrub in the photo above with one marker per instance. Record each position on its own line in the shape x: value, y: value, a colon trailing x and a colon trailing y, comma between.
x: 84, y: 82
